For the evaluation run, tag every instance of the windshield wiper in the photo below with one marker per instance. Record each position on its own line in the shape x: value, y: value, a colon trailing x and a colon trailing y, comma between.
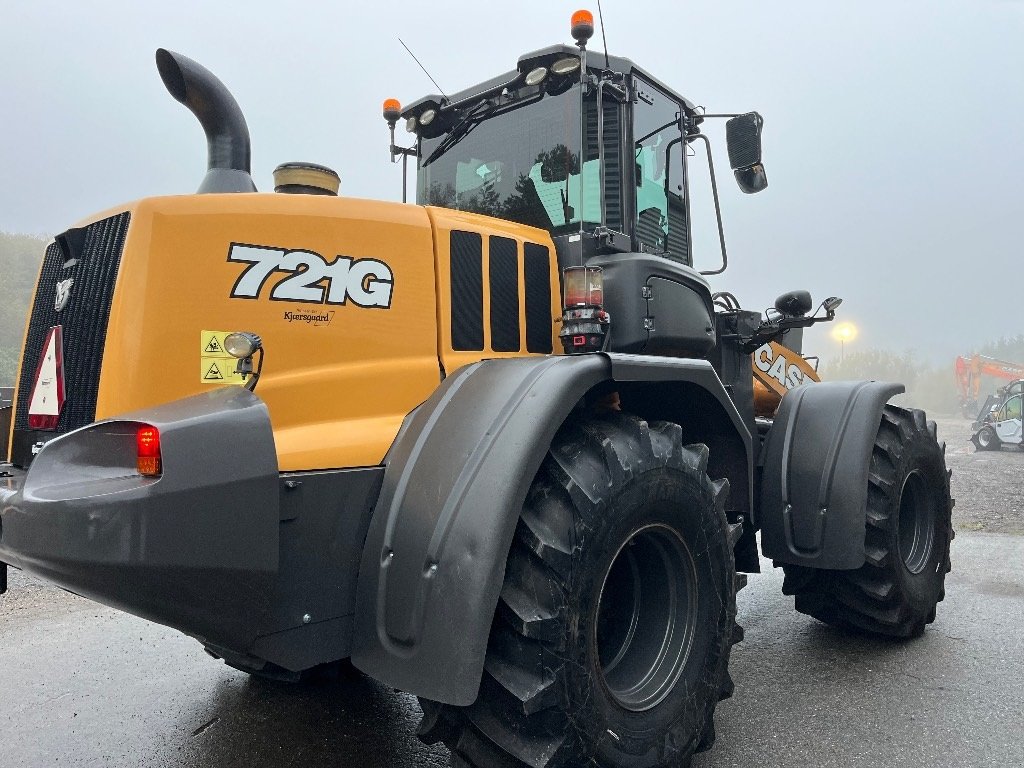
x: 461, y: 130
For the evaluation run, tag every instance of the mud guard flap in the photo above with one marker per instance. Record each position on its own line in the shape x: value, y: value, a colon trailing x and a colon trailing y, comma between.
x: 814, y: 484
x: 196, y: 549
x: 456, y: 479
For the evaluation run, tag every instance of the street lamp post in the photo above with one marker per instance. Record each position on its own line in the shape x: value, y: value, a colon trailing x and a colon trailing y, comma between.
x: 844, y: 332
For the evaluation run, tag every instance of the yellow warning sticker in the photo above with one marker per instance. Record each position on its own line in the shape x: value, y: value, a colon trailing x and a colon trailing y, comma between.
x: 216, y: 366
x: 217, y: 370
x: 211, y: 344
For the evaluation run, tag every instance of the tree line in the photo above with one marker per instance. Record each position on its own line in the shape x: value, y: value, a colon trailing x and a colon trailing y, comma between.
x: 931, y: 387
x: 20, y: 257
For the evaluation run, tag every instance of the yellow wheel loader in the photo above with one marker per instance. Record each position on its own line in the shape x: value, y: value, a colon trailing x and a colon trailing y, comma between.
x: 499, y: 448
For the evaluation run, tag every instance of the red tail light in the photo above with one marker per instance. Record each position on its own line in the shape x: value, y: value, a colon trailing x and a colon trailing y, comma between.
x: 147, y: 442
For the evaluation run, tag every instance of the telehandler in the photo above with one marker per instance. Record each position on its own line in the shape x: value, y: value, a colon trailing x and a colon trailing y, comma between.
x: 504, y: 452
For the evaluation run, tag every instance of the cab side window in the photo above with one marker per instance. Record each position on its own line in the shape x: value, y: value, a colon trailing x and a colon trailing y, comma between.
x: 660, y: 225
x: 1012, y: 409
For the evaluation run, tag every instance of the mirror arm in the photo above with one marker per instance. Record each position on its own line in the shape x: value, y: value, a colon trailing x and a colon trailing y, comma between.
x: 772, y: 330
x: 718, y: 207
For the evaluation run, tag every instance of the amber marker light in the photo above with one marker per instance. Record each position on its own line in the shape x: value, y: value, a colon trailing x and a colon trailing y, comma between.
x: 582, y: 26
x: 392, y: 110
x: 147, y: 444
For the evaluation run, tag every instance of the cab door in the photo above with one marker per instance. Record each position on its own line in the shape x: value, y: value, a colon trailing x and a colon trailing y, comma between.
x: 1008, y: 420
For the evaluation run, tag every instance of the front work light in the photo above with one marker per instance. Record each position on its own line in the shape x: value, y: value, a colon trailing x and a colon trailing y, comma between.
x: 566, y: 65
x: 427, y: 116
x: 147, y: 448
x: 585, y: 324
x: 536, y: 76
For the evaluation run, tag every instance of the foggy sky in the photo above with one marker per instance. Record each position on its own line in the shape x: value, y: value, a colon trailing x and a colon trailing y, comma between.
x: 892, y: 129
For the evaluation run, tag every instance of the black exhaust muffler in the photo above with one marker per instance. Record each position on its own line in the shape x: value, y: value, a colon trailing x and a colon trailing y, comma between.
x: 227, y: 135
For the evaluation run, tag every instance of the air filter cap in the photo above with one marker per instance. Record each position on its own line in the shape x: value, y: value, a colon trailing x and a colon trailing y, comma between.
x: 306, y: 179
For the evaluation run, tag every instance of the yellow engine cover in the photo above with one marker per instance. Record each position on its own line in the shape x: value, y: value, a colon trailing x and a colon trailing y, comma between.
x: 351, y: 298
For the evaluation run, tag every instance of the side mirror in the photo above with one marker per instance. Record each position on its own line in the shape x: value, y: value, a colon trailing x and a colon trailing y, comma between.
x: 743, y: 137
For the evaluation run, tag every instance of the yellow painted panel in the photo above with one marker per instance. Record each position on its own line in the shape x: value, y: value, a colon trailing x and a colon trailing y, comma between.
x: 445, y: 221
x: 341, y: 291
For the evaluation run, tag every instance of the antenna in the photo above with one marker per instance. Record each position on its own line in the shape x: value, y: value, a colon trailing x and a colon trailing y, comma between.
x: 441, y: 90
x: 600, y: 18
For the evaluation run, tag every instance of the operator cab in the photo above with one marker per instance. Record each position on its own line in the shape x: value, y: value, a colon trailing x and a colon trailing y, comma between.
x: 599, y: 160
x: 511, y: 147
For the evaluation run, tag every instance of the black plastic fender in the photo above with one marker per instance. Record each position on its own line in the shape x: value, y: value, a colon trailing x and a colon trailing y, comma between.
x: 814, y: 484
x: 455, y: 481
x: 195, y: 549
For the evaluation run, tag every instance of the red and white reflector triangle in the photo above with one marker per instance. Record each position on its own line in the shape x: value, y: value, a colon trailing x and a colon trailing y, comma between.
x: 48, y: 393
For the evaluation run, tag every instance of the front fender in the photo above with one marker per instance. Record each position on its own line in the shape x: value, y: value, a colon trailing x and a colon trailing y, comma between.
x: 814, y: 483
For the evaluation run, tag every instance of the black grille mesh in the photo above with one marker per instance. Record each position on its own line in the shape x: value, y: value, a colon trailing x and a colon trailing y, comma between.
x: 612, y: 161
x: 91, y: 256
x: 537, y: 273
x: 467, y: 253
x: 503, y: 268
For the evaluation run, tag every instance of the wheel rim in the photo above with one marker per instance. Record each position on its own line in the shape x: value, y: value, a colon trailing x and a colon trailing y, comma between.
x: 985, y: 438
x: 646, y: 617
x: 916, y: 530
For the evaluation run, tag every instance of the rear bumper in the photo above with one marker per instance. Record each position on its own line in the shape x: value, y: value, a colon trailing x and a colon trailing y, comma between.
x: 196, y: 549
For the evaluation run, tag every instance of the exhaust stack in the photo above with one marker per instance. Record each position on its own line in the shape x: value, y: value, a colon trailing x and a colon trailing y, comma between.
x: 227, y: 135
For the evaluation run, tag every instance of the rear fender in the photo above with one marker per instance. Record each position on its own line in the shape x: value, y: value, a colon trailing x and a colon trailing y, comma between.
x: 454, y: 484
x: 814, y: 484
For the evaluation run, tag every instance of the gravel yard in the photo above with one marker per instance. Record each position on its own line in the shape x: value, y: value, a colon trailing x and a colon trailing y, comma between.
x: 988, y: 485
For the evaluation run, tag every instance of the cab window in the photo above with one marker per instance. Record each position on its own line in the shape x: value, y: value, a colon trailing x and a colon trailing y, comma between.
x: 1011, y: 409
x: 660, y: 224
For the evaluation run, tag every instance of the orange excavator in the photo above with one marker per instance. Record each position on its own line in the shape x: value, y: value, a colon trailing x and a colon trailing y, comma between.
x: 969, y: 372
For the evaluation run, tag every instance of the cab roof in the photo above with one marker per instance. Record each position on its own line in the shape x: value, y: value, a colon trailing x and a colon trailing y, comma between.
x: 596, y: 62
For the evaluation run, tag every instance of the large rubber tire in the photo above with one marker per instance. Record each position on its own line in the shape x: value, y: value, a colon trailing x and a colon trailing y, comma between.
x: 611, y: 641
x: 907, y: 538
x: 986, y: 439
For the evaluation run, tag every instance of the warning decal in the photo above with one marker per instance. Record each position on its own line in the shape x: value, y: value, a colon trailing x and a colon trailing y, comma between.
x: 215, y: 365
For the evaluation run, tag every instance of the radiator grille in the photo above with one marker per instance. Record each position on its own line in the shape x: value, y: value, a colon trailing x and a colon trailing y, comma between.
x: 90, y: 256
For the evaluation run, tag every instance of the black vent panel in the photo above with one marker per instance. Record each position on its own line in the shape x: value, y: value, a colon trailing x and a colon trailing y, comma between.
x: 537, y: 274
x: 467, y: 267
x: 90, y: 257
x: 503, y: 266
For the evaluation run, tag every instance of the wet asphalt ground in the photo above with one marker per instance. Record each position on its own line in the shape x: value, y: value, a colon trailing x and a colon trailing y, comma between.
x: 83, y: 685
